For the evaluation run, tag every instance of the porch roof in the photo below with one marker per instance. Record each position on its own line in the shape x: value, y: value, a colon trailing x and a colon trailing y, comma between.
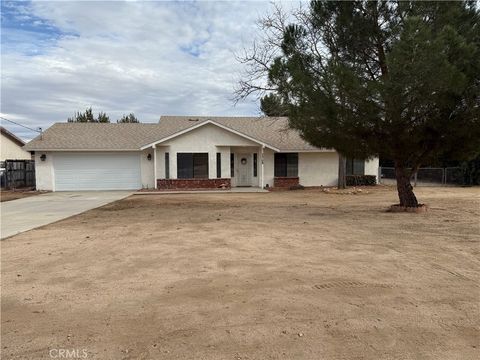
x: 199, y: 124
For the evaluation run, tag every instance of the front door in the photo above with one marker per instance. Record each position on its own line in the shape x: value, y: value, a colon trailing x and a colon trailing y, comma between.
x: 244, y: 166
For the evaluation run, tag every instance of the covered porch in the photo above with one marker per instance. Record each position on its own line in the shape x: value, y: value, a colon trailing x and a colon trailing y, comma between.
x: 210, y: 156
x: 227, y: 167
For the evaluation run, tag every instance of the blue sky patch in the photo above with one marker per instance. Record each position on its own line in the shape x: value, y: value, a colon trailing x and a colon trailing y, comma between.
x: 194, y: 48
x: 146, y: 57
x: 24, y: 32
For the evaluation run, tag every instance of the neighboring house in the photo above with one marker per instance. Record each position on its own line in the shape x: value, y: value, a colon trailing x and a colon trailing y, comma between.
x: 182, y: 152
x: 11, y: 147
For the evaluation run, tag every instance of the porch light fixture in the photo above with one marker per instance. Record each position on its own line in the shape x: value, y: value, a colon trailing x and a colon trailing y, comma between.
x: 43, y: 157
x: 149, y: 157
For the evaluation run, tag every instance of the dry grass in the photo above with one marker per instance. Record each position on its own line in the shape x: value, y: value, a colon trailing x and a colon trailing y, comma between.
x: 288, y: 275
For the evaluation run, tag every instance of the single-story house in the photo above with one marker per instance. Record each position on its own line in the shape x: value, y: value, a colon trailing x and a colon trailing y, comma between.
x: 183, y: 152
x: 12, y: 147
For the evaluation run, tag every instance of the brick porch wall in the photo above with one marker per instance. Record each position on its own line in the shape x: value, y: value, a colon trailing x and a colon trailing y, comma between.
x: 164, y: 184
x: 285, y: 182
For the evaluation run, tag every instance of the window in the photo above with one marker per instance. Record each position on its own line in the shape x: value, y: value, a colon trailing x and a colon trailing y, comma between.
x: 192, y: 165
x: 355, y: 167
x: 286, y: 164
x: 255, y: 170
x: 232, y: 165
x: 167, y: 166
x: 219, y: 165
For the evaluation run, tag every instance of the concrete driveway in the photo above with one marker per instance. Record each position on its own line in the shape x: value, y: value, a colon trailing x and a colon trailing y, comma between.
x: 29, y: 213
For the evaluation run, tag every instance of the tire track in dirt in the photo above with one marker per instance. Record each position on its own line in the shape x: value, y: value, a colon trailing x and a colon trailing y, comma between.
x: 351, y: 284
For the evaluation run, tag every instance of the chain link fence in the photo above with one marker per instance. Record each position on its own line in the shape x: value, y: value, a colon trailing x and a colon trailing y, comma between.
x: 449, y: 176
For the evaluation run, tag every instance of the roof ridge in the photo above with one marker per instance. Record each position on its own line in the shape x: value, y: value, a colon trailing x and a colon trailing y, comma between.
x: 106, y: 124
x: 216, y: 116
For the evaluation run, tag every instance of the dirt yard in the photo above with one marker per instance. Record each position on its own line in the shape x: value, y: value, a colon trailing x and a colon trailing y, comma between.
x: 285, y: 275
x: 8, y: 195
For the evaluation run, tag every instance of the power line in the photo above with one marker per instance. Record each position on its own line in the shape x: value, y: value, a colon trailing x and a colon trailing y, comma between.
x: 13, y: 122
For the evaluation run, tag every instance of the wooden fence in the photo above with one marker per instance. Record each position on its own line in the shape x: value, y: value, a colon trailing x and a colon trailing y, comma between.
x: 17, y: 174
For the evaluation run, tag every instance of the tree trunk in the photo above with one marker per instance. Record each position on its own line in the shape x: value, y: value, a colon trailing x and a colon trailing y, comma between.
x: 342, y: 170
x: 404, y: 188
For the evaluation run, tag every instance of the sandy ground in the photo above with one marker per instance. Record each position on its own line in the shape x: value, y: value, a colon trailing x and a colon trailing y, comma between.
x: 8, y: 195
x: 287, y: 275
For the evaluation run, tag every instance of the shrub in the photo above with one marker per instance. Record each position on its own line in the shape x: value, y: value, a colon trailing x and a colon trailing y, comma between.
x: 297, y: 187
x: 361, y: 180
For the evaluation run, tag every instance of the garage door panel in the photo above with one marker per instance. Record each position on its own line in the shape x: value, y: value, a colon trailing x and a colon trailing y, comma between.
x: 97, y: 171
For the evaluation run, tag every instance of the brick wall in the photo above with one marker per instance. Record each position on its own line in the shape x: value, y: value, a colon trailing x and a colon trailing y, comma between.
x: 164, y: 184
x: 285, y: 182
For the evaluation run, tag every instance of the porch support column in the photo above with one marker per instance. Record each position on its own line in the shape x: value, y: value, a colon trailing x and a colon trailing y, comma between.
x: 154, y: 147
x: 262, y: 173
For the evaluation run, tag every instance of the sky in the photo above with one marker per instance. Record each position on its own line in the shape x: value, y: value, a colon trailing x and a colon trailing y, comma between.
x: 151, y: 58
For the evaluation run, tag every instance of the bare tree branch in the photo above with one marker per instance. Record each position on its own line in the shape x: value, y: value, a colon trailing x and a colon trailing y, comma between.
x: 260, y: 55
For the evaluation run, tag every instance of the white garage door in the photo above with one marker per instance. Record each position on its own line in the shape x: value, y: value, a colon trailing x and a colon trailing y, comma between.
x: 97, y: 171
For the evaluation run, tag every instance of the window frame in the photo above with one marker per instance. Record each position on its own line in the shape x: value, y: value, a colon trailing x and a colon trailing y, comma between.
x: 352, y: 165
x: 219, y: 165
x: 286, y: 165
x: 167, y: 165
x: 193, y: 159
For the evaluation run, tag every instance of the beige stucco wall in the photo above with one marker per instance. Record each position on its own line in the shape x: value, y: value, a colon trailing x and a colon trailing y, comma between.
x: 318, y: 168
x: 146, y: 168
x: 10, y: 150
x: 44, y: 176
x: 371, y: 167
x: 160, y: 160
x: 225, y: 161
x: 268, y: 170
x: 315, y: 169
x: 207, y: 139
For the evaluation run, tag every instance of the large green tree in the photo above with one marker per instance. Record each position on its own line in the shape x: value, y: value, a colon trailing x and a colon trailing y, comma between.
x: 272, y: 105
x: 130, y: 118
x: 395, y: 79
x: 87, y: 116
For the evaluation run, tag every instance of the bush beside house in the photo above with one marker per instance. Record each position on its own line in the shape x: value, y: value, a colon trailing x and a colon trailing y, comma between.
x: 361, y: 180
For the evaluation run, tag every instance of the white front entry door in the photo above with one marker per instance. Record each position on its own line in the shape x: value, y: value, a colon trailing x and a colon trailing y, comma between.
x: 244, y: 166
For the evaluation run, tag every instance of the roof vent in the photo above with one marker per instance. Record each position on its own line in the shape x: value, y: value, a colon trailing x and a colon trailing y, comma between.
x: 192, y: 119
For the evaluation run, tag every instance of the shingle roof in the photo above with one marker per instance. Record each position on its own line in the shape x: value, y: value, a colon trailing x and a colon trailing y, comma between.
x: 93, y: 136
x: 12, y: 136
x: 100, y: 136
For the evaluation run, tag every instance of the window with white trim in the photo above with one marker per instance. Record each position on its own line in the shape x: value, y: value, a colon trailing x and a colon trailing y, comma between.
x: 192, y: 165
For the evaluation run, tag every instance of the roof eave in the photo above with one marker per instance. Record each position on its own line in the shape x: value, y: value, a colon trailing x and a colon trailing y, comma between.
x: 319, y: 150
x: 78, y: 150
x: 203, y: 124
x: 12, y: 137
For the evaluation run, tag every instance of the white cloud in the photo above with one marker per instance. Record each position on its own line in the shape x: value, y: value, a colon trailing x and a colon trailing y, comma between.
x: 151, y: 58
